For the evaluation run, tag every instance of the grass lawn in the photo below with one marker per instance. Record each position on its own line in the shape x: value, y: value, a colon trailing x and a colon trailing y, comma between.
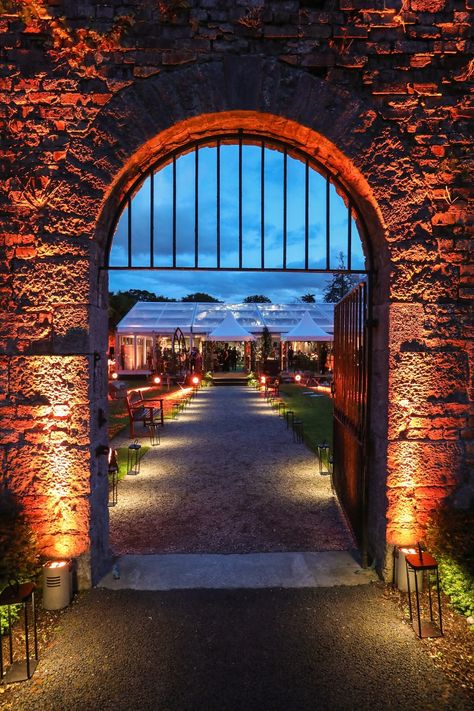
x: 122, y: 458
x: 316, y: 413
x: 118, y: 414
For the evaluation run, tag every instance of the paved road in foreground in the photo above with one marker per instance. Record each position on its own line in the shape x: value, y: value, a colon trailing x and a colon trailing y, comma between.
x: 252, y: 650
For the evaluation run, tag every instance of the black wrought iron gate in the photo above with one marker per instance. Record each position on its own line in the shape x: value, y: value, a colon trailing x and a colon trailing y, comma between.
x: 351, y: 360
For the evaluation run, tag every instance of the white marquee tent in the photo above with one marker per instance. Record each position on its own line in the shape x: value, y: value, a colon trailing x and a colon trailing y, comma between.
x: 307, y: 330
x: 230, y: 330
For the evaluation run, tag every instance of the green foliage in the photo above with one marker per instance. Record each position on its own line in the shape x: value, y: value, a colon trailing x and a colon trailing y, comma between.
x: 257, y: 299
x: 316, y: 413
x: 18, y: 556
x: 200, y: 296
x: 122, y: 459
x: 340, y: 284
x: 267, y: 345
x: 450, y: 537
x: 121, y: 303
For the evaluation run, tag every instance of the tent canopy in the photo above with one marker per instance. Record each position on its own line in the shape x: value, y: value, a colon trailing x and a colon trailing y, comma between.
x: 307, y: 330
x: 230, y: 330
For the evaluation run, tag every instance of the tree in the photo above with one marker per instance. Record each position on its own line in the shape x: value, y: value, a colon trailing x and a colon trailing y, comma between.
x: 308, y: 299
x: 121, y: 303
x: 340, y: 285
x: 257, y: 299
x: 200, y: 296
x: 266, y: 343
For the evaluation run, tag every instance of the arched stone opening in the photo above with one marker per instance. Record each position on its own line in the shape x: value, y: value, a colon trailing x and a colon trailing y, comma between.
x: 55, y: 378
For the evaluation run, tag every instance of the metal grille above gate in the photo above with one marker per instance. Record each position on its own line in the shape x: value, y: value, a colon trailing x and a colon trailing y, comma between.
x: 351, y: 354
x: 238, y: 202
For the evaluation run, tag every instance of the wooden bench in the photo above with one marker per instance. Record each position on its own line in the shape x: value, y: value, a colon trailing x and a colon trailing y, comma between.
x: 150, y: 411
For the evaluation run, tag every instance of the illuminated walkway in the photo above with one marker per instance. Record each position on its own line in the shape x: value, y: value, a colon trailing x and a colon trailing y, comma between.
x: 227, y: 478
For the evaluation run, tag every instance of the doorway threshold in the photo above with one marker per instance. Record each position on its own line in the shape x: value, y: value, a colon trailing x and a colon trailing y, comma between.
x: 180, y: 571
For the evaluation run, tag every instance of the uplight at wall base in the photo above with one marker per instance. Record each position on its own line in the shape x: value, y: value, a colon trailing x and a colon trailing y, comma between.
x: 57, y: 584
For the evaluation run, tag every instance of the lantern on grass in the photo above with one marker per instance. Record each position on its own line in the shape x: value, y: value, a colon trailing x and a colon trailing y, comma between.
x: 298, y: 378
x: 157, y: 379
x: 133, y: 458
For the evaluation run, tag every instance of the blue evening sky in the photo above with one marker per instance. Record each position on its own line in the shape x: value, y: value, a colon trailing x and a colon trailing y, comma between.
x: 233, y: 286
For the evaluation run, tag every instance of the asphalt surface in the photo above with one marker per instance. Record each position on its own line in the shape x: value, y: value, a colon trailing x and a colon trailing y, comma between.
x: 229, y: 650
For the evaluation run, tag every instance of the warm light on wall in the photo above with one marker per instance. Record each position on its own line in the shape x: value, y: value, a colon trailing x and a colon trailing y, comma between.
x: 51, y: 468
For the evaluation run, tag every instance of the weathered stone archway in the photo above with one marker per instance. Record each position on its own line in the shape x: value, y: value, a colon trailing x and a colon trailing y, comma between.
x: 56, y: 374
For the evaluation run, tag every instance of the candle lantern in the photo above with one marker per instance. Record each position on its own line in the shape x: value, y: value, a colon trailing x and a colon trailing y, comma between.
x: 323, y: 457
x: 422, y: 565
x: 113, y: 470
x: 22, y: 594
x: 133, y: 458
x: 154, y: 434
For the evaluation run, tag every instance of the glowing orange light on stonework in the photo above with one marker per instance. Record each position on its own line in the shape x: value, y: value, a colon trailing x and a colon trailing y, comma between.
x: 195, y: 380
x: 157, y: 380
x: 263, y: 379
x: 114, y: 376
x: 420, y: 473
x: 298, y: 378
x: 54, y: 459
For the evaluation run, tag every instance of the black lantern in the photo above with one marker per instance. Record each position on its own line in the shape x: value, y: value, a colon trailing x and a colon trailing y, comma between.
x: 19, y: 594
x: 323, y: 454
x: 154, y: 434
x: 133, y: 458
x: 113, y: 470
x: 422, y: 565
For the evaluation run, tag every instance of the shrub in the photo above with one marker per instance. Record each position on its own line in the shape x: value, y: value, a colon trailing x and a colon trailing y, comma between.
x: 18, y: 557
x: 450, y: 537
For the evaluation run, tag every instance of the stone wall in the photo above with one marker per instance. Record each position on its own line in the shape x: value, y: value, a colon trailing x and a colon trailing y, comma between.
x: 92, y: 92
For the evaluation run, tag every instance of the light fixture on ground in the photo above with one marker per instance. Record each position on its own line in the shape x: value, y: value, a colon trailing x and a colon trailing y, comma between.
x: 19, y: 594
x: 323, y: 458
x: 422, y: 565
x: 113, y: 477
x: 57, y: 584
x: 133, y: 458
x: 400, y: 569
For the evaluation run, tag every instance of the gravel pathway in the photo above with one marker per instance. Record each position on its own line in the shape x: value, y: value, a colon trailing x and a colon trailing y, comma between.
x: 227, y: 478
x: 252, y: 650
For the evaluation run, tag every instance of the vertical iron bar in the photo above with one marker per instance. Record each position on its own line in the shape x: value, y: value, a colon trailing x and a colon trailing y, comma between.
x: 306, y: 215
x: 218, y: 203
x: 285, y: 206
x: 152, y: 219
x: 27, y: 641
x: 174, y: 210
x: 240, y: 201
x: 129, y: 232
x: 349, y: 235
x: 196, y: 207
x: 262, y: 206
x: 328, y: 224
